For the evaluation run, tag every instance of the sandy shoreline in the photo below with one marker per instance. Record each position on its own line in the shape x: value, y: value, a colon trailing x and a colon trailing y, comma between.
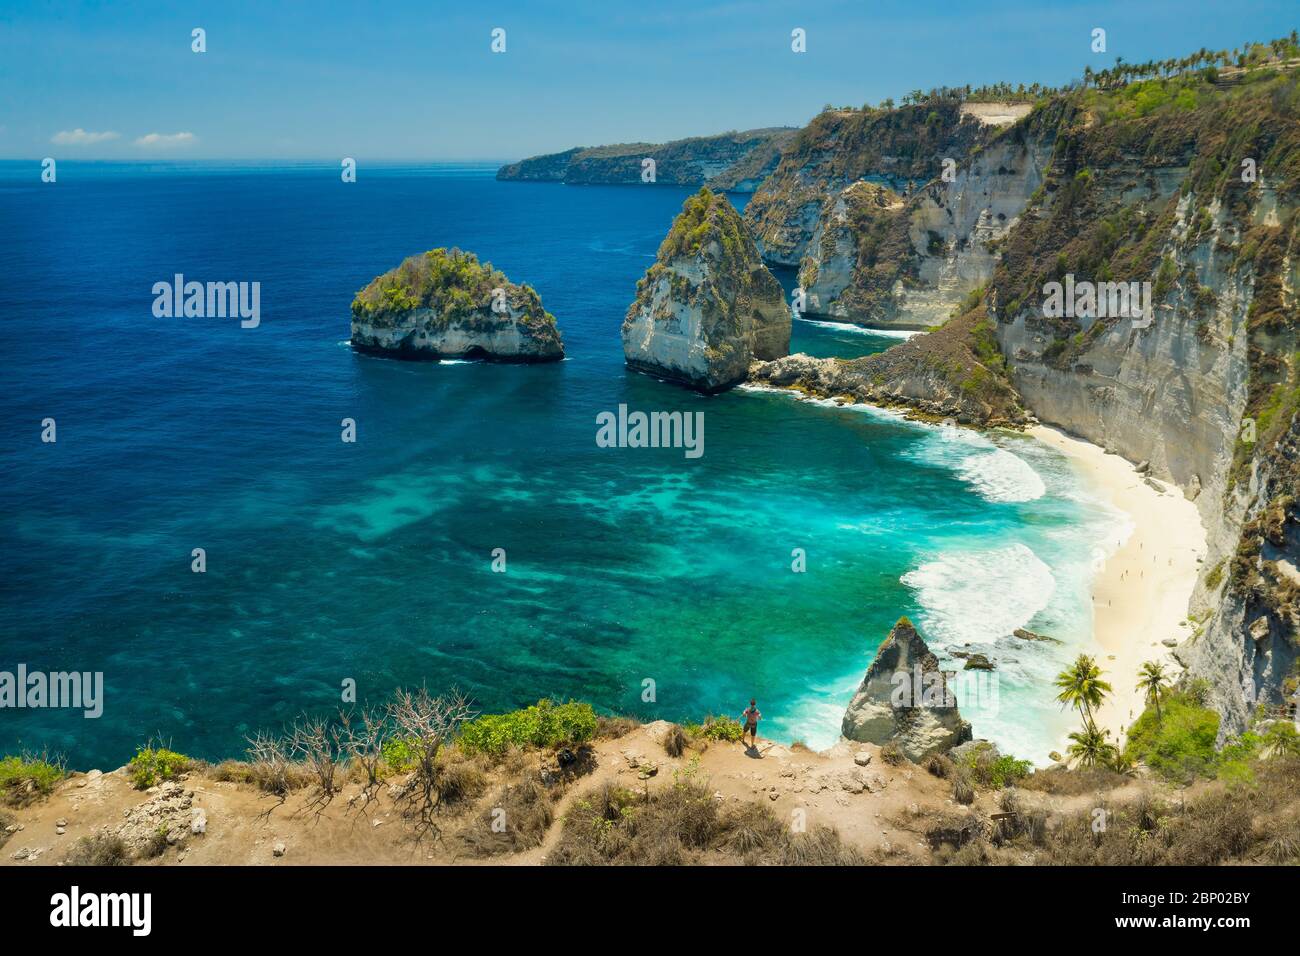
x: 1140, y: 595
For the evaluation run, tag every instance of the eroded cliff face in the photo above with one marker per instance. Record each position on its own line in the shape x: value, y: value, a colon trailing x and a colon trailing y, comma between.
x: 1204, y: 383
x: 446, y: 304
x: 841, y: 147
x: 1140, y: 184
x: 708, y: 306
x: 877, y: 259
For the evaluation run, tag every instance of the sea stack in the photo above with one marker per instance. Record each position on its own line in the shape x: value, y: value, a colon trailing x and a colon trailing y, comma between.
x: 904, y: 699
x: 446, y: 304
x: 708, y: 306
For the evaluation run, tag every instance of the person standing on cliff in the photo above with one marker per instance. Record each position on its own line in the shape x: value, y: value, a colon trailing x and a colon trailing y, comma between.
x: 752, y: 716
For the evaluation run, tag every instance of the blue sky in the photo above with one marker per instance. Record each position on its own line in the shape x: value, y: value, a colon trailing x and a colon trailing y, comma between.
x: 399, y: 80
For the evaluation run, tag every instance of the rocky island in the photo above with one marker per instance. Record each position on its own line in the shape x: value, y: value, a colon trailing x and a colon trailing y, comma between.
x: 904, y: 699
x: 445, y: 304
x: 708, y: 306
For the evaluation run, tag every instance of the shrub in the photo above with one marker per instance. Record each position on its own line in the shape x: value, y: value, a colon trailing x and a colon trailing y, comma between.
x: 674, y: 741
x: 27, y: 778
x: 991, y: 770
x: 963, y: 791
x: 611, y: 728
x: 103, y: 849
x: 516, y: 820
x: 892, y: 754
x: 459, y: 780
x: 938, y: 765
x: 399, y: 754
x: 1179, y: 743
x: 155, y: 845
x: 545, y: 724
x: 153, y: 765
x: 717, y: 728
x: 268, y: 768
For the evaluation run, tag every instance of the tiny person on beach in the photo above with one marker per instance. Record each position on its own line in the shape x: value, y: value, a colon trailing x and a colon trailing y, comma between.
x: 752, y: 716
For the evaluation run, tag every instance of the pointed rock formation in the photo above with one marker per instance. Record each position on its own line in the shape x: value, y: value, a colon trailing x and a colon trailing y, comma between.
x: 446, y: 304
x: 905, y: 699
x: 708, y: 306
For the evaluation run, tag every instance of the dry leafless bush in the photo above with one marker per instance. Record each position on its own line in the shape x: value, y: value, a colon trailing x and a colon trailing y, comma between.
x: 272, y: 768
x: 315, y: 743
x: 426, y: 724
x: 361, y: 740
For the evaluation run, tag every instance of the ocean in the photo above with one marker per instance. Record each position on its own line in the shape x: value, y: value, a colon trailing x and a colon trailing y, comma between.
x: 646, y: 582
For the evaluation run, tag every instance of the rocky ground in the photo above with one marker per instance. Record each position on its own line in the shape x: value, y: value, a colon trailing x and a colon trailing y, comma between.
x: 886, y: 812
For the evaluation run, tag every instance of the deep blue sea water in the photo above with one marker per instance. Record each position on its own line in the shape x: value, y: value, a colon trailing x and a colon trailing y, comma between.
x: 372, y: 561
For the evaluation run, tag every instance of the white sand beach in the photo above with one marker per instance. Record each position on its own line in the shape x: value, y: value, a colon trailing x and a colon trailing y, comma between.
x: 1141, y: 594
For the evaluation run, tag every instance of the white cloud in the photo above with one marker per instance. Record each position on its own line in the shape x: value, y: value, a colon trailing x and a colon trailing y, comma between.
x: 167, y: 140
x: 80, y: 137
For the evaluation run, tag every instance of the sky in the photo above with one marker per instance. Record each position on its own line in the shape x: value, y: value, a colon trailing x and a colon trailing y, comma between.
x: 419, y: 80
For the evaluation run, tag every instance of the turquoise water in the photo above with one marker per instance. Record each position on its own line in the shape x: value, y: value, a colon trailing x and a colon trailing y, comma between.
x: 372, y: 561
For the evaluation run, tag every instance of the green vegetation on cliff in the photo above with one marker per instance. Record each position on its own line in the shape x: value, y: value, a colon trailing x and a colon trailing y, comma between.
x: 452, y: 283
x: 545, y: 724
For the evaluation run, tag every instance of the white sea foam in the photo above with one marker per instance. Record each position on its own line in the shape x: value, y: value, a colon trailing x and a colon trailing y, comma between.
x: 995, y: 473
x: 875, y: 411
x: 977, y: 597
x: 859, y: 329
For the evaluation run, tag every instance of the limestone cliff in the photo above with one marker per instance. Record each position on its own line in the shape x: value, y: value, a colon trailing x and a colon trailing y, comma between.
x: 446, y: 304
x: 1207, y: 386
x: 893, y: 147
x: 904, y: 699
x: 1187, y: 183
x: 729, y: 161
x: 708, y: 306
x: 878, y: 259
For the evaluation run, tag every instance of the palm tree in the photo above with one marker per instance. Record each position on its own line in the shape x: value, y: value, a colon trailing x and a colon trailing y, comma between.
x: 1091, y: 748
x: 1122, y: 763
x: 1281, y: 741
x: 1153, y: 681
x: 1082, y: 687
